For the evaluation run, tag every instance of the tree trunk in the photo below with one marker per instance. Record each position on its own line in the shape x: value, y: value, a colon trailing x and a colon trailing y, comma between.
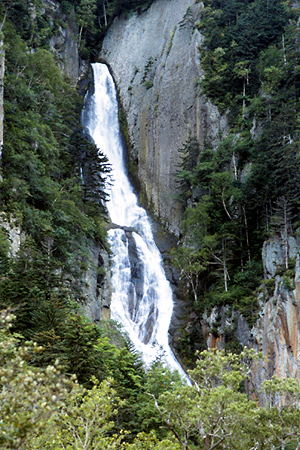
x: 244, y: 98
x: 247, y: 234
x: 286, y: 238
x: 104, y: 12
x: 234, y: 166
x: 80, y: 34
x: 225, y: 272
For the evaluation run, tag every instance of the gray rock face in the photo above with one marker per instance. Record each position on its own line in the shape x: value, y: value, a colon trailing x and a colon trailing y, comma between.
x: 155, y: 61
x: 98, y: 288
x: 14, y: 234
x: 137, y: 275
x: 64, y: 44
x: 277, y: 331
x: 273, y: 253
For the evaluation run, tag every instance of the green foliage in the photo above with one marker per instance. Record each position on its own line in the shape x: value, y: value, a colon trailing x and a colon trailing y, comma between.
x: 86, y: 12
x: 282, y: 411
x: 151, y: 442
x: 158, y: 380
x: 29, y: 396
x: 31, y: 21
x: 186, y: 177
x: 236, y: 195
x: 252, y: 69
x: 95, y: 17
x: 119, y: 6
x: 43, y: 408
x: 287, y: 283
x: 214, y: 259
x: 95, y: 169
x: 212, y: 413
x: 4, y: 253
x: 44, y: 154
x: 85, y: 423
x: 148, y: 84
x: 235, y: 34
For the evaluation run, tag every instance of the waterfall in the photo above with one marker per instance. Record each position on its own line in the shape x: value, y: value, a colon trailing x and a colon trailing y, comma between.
x: 142, y: 298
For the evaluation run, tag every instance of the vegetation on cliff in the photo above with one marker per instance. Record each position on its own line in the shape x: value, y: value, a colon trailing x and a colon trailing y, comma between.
x: 53, y: 184
x: 94, y: 18
x: 42, y: 190
x: 53, y: 188
x: 236, y: 195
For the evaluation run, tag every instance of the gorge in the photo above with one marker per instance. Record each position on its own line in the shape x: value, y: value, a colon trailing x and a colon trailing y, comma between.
x: 211, y: 130
x: 158, y: 83
x: 150, y: 174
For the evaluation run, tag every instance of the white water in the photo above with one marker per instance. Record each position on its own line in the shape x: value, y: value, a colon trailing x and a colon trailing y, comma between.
x: 142, y: 297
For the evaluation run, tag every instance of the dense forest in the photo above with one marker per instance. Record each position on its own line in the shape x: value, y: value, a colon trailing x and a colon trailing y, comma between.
x: 237, y: 196
x: 66, y: 383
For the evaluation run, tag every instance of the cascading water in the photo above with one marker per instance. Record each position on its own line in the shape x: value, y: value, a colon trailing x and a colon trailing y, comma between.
x: 142, y: 297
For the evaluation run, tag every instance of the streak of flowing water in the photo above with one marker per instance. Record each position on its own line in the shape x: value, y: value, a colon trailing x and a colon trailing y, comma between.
x: 142, y: 297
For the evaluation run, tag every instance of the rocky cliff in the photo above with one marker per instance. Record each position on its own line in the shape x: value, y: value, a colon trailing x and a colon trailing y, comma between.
x: 98, y: 289
x: 155, y: 61
x: 156, y: 64
x: 96, y: 279
x: 64, y: 44
x: 277, y: 331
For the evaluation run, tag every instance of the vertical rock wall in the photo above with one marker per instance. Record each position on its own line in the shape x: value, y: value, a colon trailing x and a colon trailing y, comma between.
x: 277, y: 331
x: 98, y: 289
x: 155, y: 61
x: 64, y: 44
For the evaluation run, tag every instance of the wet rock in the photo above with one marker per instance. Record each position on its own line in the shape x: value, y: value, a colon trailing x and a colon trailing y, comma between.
x: 137, y: 268
x: 150, y: 323
x: 97, y: 288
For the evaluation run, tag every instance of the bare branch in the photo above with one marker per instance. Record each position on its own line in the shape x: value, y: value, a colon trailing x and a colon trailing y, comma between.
x: 3, y: 21
x: 223, y: 201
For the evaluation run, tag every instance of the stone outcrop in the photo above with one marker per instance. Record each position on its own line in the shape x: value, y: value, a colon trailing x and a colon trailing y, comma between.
x: 98, y: 288
x: 14, y: 234
x: 155, y: 62
x: 273, y: 254
x: 277, y: 331
x: 64, y: 44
